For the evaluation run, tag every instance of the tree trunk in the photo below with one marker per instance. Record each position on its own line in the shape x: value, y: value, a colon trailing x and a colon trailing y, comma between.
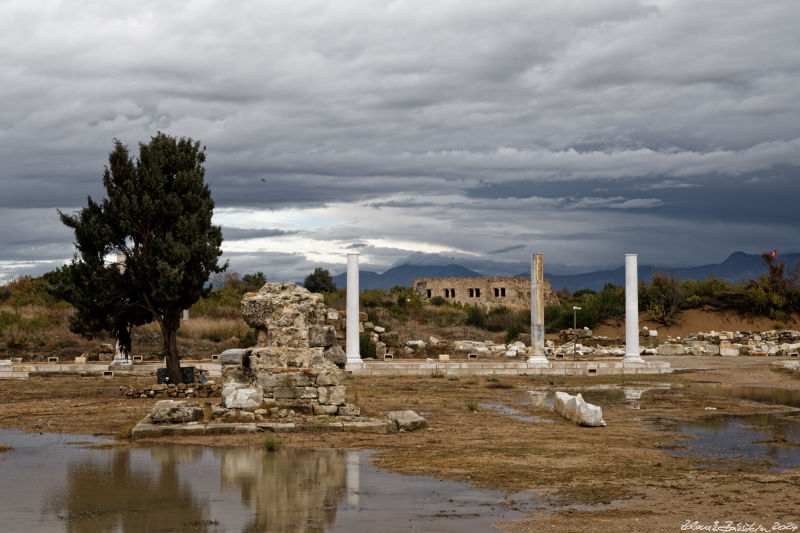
x: 169, y: 332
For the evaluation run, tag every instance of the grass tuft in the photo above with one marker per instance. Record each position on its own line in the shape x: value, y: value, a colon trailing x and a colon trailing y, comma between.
x: 271, y: 444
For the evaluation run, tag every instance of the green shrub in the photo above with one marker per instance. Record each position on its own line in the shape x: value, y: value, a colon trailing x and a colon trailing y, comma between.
x: 366, y: 346
x: 476, y: 317
x: 395, y: 311
x: 372, y: 316
x: 371, y: 298
x: 692, y: 302
x: 775, y: 293
x: 438, y: 301
x: 662, y: 298
x: 220, y: 303
x: 707, y: 289
x: 578, y: 295
x: 438, y: 373
x: 520, y: 324
x: 18, y: 342
x: 471, y: 404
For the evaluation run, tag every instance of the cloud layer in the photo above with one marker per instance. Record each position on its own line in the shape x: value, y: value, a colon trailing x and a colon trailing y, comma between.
x: 487, y: 129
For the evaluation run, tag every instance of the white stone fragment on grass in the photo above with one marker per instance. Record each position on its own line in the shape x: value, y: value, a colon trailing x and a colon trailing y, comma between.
x: 576, y: 409
x: 407, y: 420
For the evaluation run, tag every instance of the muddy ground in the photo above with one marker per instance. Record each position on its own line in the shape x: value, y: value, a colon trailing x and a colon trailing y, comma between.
x: 618, y: 478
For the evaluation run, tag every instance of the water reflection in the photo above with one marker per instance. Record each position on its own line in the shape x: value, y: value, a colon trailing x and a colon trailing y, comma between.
x: 753, y: 437
x: 112, y: 495
x: 778, y: 395
x: 49, y: 485
x: 293, y: 490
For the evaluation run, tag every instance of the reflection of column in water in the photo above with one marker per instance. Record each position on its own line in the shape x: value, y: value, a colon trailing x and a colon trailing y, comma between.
x: 633, y: 395
x: 352, y: 479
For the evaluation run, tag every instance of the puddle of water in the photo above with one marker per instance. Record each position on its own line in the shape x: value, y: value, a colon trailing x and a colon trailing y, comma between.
x: 49, y: 484
x: 631, y: 396
x: 774, y: 395
x: 771, y: 437
x: 516, y: 414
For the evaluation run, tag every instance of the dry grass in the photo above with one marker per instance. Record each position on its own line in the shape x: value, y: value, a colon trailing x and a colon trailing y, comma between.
x: 36, y: 325
x: 215, y: 329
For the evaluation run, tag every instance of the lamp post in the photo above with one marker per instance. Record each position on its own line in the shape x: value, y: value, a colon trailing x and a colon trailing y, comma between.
x: 575, y: 310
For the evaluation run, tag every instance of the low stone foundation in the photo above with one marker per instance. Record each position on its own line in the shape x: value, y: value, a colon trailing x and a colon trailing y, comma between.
x: 194, y: 390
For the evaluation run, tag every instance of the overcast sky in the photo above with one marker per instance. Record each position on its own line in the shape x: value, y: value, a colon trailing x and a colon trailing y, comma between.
x: 475, y: 132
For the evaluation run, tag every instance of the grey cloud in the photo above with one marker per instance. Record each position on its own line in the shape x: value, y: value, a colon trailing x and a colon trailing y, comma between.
x: 427, y: 114
x: 233, y: 233
x: 508, y: 249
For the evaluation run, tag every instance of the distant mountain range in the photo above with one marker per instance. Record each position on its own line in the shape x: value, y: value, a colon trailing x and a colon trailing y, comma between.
x: 404, y: 275
x: 739, y: 267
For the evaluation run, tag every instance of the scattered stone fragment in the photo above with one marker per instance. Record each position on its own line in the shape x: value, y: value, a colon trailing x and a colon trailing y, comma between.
x: 576, y: 409
x: 175, y: 412
x: 407, y: 420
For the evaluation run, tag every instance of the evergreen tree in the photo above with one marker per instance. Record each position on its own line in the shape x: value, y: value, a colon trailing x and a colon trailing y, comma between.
x: 254, y: 282
x: 158, y: 217
x: 320, y: 281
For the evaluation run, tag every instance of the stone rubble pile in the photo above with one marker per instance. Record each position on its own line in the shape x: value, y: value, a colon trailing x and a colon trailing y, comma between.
x: 489, y: 349
x: 733, y: 343
x: 579, y: 350
x: 725, y: 343
x: 181, y: 390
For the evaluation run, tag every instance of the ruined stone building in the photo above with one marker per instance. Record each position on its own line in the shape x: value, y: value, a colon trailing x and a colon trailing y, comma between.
x: 508, y: 291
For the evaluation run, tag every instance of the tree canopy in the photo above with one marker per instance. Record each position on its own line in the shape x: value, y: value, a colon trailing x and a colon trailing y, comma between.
x: 320, y: 281
x: 157, y: 216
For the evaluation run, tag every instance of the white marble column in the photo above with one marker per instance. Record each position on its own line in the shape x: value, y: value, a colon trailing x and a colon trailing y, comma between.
x: 352, y: 344
x: 537, y: 311
x: 631, y: 310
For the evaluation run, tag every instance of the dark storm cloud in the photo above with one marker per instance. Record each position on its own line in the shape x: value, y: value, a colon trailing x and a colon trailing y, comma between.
x: 231, y: 233
x: 508, y: 249
x: 475, y: 126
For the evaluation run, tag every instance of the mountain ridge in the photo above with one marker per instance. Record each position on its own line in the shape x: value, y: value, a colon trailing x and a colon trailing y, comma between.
x: 738, y: 267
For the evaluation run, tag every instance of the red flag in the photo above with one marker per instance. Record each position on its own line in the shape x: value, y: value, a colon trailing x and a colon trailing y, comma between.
x: 773, y: 254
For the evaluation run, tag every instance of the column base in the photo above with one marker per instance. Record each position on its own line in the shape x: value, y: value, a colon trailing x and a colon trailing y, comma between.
x: 537, y: 360
x: 121, y: 362
x: 353, y: 363
x: 632, y: 359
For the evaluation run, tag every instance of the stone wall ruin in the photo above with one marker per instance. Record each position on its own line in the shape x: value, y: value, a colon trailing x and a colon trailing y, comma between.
x: 508, y: 291
x: 295, y: 362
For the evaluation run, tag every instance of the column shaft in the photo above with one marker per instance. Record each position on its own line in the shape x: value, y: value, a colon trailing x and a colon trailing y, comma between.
x: 631, y: 310
x: 537, y: 310
x: 352, y: 343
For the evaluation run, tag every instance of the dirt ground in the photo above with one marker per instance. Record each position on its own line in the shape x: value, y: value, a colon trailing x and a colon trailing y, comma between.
x: 618, y: 478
